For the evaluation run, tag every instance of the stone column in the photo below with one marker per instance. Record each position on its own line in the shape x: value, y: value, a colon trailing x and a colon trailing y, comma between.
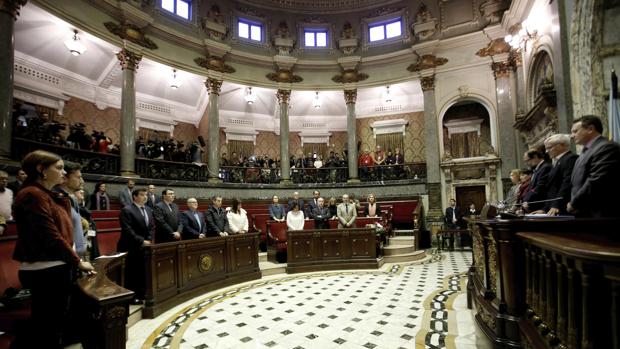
x: 520, y: 104
x: 349, y: 97
x: 284, y: 96
x: 431, y: 138
x: 213, y: 163
x: 9, y: 10
x: 129, y: 62
x: 505, y: 95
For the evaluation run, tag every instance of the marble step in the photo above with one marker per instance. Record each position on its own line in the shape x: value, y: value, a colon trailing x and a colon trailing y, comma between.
x: 135, y: 315
x: 403, y: 232
x: 269, y: 268
x: 403, y: 258
x: 262, y: 257
x: 396, y: 250
x: 402, y: 241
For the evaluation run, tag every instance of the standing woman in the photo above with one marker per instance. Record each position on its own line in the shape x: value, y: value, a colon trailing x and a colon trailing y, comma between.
x: 100, y: 200
x: 44, y: 247
x: 295, y: 218
x: 237, y: 218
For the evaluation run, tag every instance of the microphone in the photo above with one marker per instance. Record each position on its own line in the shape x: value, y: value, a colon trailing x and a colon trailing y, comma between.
x: 540, y: 201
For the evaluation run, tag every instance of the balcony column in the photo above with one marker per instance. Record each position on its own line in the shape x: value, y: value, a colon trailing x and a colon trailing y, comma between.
x: 520, y: 105
x: 506, y: 95
x: 284, y: 96
x: 350, y: 96
x: 9, y: 10
x: 213, y: 163
x: 431, y: 138
x: 129, y: 63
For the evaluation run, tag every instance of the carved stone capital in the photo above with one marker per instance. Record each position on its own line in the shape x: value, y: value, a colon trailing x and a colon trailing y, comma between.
x: 129, y: 60
x: 12, y: 7
x: 214, y: 86
x: 427, y: 62
x: 502, y: 69
x: 516, y: 57
x: 284, y: 96
x: 350, y: 96
x: 348, y: 76
x: 495, y: 47
x: 428, y: 83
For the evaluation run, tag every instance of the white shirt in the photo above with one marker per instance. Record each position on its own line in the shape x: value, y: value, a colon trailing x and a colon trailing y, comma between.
x: 6, y: 200
x: 237, y: 221
x: 295, y: 220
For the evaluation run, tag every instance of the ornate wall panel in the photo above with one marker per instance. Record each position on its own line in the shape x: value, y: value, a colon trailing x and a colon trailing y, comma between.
x: 414, y: 137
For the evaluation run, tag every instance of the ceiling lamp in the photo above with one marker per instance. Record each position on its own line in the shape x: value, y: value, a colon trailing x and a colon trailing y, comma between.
x: 74, y: 45
x: 316, y: 102
x: 388, y: 97
x: 521, y: 33
x: 175, y: 83
x: 249, y: 97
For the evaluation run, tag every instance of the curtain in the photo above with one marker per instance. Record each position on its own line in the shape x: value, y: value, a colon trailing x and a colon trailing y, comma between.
x: 52, y: 112
x: 148, y: 134
x: 391, y: 141
x: 242, y: 148
x: 473, y: 144
x: 318, y: 148
x: 464, y: 145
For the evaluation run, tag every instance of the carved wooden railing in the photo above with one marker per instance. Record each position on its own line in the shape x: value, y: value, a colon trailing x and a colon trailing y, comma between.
x: 170, y: 170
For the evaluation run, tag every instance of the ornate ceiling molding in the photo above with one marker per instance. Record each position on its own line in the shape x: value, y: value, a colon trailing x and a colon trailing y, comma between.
x: 12, y: 7
x: 214, y: 63
x: 284, y: 76
x: 130, y: 32
x: 495, y: 47
x: 348, y: 76
x: 318, y: 6
x: 427, y: 62
x: 502, y: 69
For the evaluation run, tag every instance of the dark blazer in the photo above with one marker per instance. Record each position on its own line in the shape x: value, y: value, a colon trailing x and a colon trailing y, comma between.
x: 191, y: 230
x: 538, y: 187
x: 448, y: 217
x: 290, y: 204
x: 321, y: 217
x: 310, y: 209
x: 149, y: 201
x: 277, y: 211
x: 377, y: 211
x: 166, y: 222
x: 595, y: 188
x: 14, y: 186
x: 217, y: 222
x: 559, y: 183
x: 134, y: 229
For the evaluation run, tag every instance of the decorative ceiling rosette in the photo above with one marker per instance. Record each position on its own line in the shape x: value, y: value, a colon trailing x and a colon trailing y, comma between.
x: 130, y: 32
x: 284, y: 76
x: 427, y: 62
x: 214, y: 63
x: 495, y: 47
x: 349, y: 76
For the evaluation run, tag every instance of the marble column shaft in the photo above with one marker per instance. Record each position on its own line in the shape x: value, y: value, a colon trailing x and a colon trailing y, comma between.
x: 505, y: 95
x: 214, y: 86
x: 350, y: 97
x: 520, y: 105
x: 284, y: 97
x: 129, y: 62
x: 9, y: 10
x: 431, y: 136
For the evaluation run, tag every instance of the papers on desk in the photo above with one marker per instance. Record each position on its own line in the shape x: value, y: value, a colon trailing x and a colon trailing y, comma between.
x: 545, y: 216
x: 112, y: 256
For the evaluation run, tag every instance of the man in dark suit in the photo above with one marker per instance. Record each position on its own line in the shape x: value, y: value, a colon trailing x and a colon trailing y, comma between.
x: 558, y: 148
x: 312, y: 204
x: 151, y: 198
x: 16, y: 185
x: 452, y: 216
x: 217, y: 222
x: 137, y: 229
x: 125, y: 194
x: 595, y: 188
x: 167, y: 218
x: 537, y: 190
x: 321, y: 215
x: 193, y: 221
x: 299, y: 201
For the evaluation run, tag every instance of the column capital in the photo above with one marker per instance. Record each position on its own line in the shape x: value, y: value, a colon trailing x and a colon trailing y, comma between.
x: 350, y: 96
x: 428, y: 83
x: 516, y: 57
x: 129, y: 60
x: 284, y: 96
x: 214, y: 86
x: 12, y: 7
x: 502, y: 69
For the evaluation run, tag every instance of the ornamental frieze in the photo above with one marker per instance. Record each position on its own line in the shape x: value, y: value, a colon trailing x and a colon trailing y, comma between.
x: 214, y: 63
x: 495, y: 47
x: 284, y: 76
x: 427, y: 62
x: 349, y: 76
x: 130, y: 32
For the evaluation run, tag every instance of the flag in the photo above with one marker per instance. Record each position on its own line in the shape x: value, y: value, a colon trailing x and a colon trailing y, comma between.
x: 614, y: 110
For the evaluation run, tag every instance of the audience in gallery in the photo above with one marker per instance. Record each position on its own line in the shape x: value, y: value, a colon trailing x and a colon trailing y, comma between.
x: 237, y: 218
x: 99, y: 199
x: 295, y: 217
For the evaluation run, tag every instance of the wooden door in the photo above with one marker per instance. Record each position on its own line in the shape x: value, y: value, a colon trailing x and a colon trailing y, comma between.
x: 468, y: 195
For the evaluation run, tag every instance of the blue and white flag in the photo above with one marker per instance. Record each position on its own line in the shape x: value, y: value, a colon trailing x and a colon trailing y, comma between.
x: 614, y: 110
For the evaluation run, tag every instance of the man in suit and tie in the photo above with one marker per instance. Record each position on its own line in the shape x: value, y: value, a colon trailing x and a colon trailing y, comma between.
x: 562, y: 162
x: 537, y: 191
x: 321, y: 215
x: 151, y: 198
x: 217, y: 221
x: 194, y: 224
x: 299, y: 201
x: 312, y: 204
x: 167, y: 218
x: 16, y: 185
x: 125, y: 195
x: 452, y: 216
x: 346, y: 213
x: 137, y: 229
x: 595, y: 189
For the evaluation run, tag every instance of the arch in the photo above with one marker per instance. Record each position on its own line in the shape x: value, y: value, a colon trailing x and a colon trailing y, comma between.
x: 540, y: 50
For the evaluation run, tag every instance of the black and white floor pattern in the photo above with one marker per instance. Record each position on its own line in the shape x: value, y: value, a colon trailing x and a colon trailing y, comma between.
x: 420, y: 305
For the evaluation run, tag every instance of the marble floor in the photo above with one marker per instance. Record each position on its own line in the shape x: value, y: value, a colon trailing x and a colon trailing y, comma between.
x: 416, y: 305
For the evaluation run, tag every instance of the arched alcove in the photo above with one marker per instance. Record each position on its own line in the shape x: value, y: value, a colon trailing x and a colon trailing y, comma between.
x: 466, y: 129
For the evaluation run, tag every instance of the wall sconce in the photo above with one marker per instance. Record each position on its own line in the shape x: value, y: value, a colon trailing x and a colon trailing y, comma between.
x: 249, y: 96
x: 74, y: 45
x: 175, y: 83
x: 387, y: 95
x: 520, y: 34
x: 316, y: 102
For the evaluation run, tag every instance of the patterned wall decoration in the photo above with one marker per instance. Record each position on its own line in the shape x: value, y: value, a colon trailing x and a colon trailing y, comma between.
x: 267, y: 143
x: 185, y: 132
x: 107, y: 120
x: 414, y: 134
